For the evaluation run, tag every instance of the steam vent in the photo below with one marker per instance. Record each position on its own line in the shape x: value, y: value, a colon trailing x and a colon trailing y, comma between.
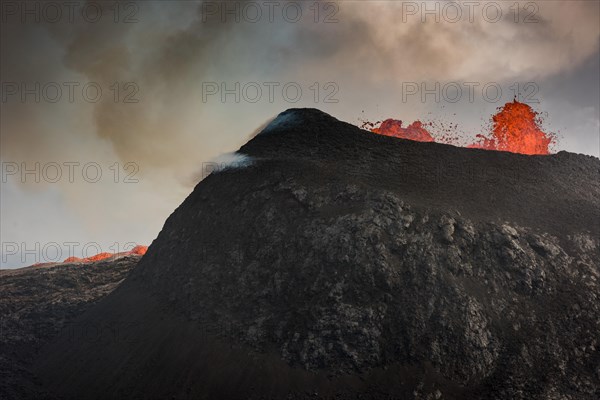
x: 339, y: 263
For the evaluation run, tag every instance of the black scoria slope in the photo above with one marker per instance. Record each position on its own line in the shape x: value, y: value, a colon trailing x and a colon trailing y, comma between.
x: 38, y: 303
x: 345, y: 264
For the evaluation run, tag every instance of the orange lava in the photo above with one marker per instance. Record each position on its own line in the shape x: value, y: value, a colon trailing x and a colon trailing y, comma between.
x: 139, y: 250
x: 393, y: 127
x: 515, y: 128
x: 73, y: 260
x: 98, y: 257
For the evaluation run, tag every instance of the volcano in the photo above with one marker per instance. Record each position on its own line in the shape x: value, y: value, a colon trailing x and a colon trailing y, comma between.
x: 341, y: 263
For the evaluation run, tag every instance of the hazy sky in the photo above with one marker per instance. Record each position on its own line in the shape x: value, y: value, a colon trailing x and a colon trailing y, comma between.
x: 113, y: 110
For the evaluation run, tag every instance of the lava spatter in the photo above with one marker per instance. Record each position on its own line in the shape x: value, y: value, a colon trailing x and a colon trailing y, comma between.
x: 515, y: 128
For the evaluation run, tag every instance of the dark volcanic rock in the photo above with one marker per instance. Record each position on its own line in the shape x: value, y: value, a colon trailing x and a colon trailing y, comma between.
x: 37, y: 303
x: 344, y: 264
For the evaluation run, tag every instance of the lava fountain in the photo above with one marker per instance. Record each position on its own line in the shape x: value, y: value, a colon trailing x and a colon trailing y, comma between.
x: 415, y: 131
x: 515, y: 128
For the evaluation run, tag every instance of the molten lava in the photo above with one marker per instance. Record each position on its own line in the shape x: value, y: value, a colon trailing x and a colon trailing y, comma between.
x: 138, y: 250
x: 515, y: 128
x: 393, y: 127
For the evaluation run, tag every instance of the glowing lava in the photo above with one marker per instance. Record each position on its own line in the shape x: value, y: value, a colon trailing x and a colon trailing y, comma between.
x: 415, y: 131
x: 515, y: 128
x: 139, y: 250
